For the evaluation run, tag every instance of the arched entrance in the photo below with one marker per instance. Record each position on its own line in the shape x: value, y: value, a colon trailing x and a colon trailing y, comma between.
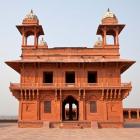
x: 70, y: 109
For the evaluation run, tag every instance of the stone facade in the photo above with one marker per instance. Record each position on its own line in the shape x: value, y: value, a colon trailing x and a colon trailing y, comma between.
x: 70, y: 86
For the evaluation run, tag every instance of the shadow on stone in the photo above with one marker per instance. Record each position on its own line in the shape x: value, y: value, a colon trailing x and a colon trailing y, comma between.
x: 132, y: 125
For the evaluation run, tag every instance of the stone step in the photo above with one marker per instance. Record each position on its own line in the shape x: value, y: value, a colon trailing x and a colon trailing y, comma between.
x: 71, y: 124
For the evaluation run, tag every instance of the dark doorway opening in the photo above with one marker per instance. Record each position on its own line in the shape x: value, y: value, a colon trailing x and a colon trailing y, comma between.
x: 70, y: 109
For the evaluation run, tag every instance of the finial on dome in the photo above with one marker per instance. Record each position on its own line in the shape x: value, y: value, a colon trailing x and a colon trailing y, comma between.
x: 31, y: 11
x: 31, y: 15
x: 109, y: 18
x: 108, y: 10
x: 31, y: 18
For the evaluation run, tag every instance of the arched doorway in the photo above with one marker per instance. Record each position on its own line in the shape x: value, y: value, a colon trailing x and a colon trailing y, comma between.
x: 70, y: 109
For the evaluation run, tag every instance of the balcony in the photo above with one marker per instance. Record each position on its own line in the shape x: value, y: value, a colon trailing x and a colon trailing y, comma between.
x: 90, y: 86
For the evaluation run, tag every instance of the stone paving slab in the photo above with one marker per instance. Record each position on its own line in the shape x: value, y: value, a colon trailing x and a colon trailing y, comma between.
x: 10, y: 131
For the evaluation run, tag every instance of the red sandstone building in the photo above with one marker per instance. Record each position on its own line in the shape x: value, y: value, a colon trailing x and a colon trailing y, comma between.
x: 71, y: 86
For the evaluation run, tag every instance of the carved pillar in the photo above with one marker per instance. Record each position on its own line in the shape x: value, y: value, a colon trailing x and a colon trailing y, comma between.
x: 23, y: 38
x: 115, y: 94
x: 104, y: 37
x: 70, y: 111
x: 33, y: 94
x: 129, y: 114
x: 111, y: 94
x: 116, y: 37
x: 84, y: 105
x: 35, y: 38
x: 38, y: 106
x: 25, y: 94
x: 20, y: 106
x: 102, y: 95
x: 22, y: 77
x: 81, y: 110
x: 55, y: 95
x: 138, y: 116
x: 107, y: 93
x: 60, y: 105
x: 29, y: 94
x: 119, y: 93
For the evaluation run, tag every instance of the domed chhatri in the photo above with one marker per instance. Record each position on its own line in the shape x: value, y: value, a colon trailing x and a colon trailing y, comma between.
x: 31, y: 15
x: 98, y: 43
x: 30, y: 18
x: 109, y: 18
x: 43, y: 43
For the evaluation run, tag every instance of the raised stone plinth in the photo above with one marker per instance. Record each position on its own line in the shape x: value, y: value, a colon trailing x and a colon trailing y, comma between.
x: 30, y: 124
x: 111, y: 124
x: 71, y: 124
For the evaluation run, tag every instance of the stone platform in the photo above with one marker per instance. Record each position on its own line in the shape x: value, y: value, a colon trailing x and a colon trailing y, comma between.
x: 71, y: 124
x: 10, y: 131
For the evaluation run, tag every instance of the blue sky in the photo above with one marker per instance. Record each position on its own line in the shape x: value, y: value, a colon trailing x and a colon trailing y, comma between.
x: 67, y: 23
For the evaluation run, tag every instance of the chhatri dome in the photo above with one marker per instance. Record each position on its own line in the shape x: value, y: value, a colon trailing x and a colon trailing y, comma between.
x: 98, y: 43
x: 31, y: 18
x: 43, y: 42
x: 109, y: 18
x: 31, y: 15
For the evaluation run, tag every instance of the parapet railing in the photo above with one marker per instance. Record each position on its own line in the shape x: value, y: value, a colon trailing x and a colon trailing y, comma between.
x: 68, y: 85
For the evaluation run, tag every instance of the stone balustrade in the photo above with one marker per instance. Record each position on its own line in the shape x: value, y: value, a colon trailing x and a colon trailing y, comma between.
x: 131, y: 114
x: 68, y: 85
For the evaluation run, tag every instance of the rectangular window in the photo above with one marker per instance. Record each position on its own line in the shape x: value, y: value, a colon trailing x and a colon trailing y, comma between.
x: 70, y: 77
x: 92, y: 76
x: 47, y: 106
x: 93, y: 107
x: 47, y: 77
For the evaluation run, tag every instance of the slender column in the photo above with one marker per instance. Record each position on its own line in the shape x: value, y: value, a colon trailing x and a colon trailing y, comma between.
x: 35, y: 38
x: 22, y: 79
x: 104, y: 37
x: 60, y: 105
x: 37, y: 94
x: 102, y: 94
x: 76, y: 111
x: 65, y: 113
x: 23, y: 39
x: 33, y: 94
x: 38, y: 105
x: 84, y: 105
x: 138, y: 116
x: 79, y: 94
x: 111, y: 94
x: 117, y: 38
x: 21, y: 95
x: 55, y: 95
x: 29, y: 94
x: 107, y: 94
x: 20, y: 105
x: 115, y: 94
x: 129, y: 114
x: 70, y: 111
x: 25, y: 94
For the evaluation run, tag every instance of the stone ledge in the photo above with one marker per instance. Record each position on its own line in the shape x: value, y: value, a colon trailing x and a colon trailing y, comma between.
x: 70, y: 124
x: 30, y: 124
x: 111, y: 124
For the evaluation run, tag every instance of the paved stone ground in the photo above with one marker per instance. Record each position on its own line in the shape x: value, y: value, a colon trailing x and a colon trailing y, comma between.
x: 10, y: 131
